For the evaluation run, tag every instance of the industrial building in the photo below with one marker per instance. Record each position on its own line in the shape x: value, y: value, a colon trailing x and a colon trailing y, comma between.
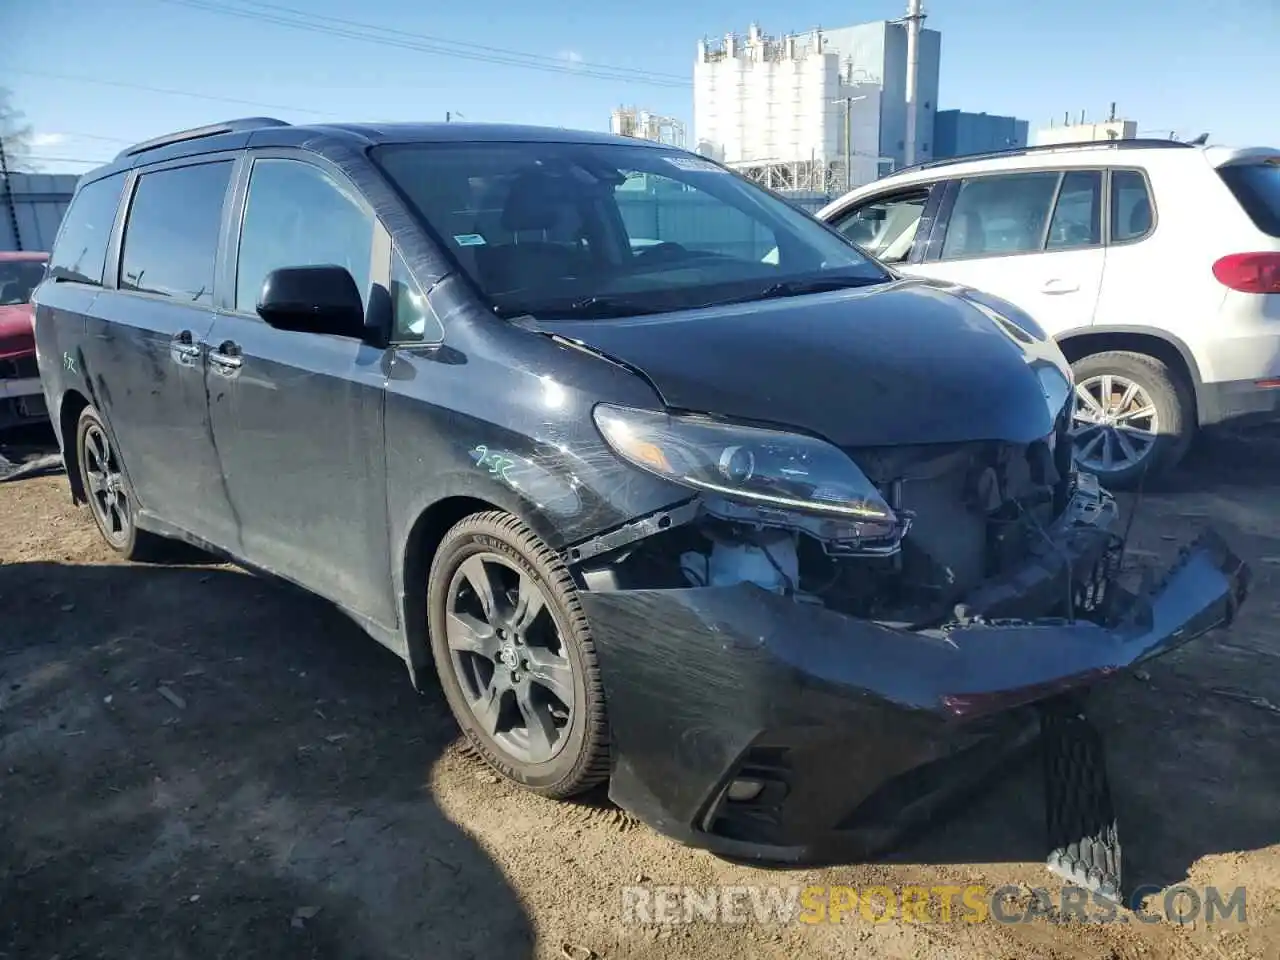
x: 822, y: 110
x: 1085, y: 132
x: 646, y: 125
x: 957, y: 133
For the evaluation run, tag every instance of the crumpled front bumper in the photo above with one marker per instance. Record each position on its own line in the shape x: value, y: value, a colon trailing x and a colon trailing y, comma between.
x: 854, y: 730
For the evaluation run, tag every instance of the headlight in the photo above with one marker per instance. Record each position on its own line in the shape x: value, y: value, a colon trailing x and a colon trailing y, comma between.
x: 769, y: 468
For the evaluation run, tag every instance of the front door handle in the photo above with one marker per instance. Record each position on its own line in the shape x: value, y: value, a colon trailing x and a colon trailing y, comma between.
x: 1058, y: 285
x: 227, y: 356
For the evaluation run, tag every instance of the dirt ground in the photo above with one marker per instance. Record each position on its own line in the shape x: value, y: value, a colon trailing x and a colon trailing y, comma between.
x: 200, y: 763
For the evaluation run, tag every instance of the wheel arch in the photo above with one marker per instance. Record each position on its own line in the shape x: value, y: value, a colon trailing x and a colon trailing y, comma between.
x: 421, y: 542
x: 1168, y: 349
x: 69, y: 410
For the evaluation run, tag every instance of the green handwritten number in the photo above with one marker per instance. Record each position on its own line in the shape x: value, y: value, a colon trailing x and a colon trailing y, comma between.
x: 498, y: 464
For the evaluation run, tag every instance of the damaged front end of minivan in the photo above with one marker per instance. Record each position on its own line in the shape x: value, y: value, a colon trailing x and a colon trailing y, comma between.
x: 806, y: 666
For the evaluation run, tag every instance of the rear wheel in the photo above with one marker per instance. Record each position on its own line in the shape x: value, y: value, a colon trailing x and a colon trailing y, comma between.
x: 1133, y: 416
x: 102, y: 476
x: 515, y: 657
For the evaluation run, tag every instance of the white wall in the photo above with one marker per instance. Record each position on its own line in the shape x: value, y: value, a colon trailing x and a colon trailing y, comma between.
x: 1085, y: 133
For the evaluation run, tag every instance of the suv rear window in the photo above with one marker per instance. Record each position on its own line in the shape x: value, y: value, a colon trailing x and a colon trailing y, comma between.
x: 1257, y: 188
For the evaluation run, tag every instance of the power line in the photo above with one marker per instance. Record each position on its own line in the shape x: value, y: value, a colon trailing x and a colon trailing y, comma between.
x: 501, y: 51
x: 72, y: 135
x: 98, y: 81
x: 37, y: 158
x: 422, y: 43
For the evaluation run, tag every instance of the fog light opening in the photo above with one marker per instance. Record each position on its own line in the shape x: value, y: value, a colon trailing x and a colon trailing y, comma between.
x: 744, y: 791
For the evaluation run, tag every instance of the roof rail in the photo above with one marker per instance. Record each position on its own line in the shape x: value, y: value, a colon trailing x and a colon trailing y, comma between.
x: 1133, y: 143
x: 196, y: 133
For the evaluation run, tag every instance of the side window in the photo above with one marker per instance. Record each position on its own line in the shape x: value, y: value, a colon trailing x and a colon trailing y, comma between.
x: 1000, y: 215
x: 657, y: 209
x: 171, y: 237
x: 80, y: 252
x: 296, y: 215
x: 1131, y: 214
x: 413, y: 320
x: 1077, y: 218
x: 886, y: 228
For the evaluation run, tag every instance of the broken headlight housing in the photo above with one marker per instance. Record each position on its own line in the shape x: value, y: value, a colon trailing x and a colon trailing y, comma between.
x: 754, y: 474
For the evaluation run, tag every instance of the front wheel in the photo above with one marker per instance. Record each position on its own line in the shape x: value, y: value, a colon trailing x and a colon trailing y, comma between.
x: 1133, y: 417
x: 515, y: 657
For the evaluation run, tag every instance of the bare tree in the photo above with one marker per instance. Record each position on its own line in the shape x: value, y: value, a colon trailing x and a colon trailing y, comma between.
x: 15, y: 137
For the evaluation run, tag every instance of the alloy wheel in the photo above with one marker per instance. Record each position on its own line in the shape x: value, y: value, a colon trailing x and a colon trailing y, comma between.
x: 1114, y: 425
x: 108, y: 493
x: 509, y: 657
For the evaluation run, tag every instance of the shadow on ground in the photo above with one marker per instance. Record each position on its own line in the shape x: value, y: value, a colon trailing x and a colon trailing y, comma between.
x: 195, y: 762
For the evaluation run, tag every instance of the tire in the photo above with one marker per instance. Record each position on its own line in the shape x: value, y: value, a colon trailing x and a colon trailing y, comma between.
x: 1171, y: 398
x: 119, y: 527
x: 501, y: 546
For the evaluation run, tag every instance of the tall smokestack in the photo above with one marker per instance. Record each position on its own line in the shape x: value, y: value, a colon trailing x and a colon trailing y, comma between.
x: 915, y: 15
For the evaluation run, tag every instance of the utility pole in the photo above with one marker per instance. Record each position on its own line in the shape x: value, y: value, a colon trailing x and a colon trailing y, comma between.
x: 8, y: 197
x: 848, y: 138
x: 914, y: 19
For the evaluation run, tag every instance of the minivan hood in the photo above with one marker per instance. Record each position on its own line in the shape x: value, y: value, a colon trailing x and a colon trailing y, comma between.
x: 908, y: 362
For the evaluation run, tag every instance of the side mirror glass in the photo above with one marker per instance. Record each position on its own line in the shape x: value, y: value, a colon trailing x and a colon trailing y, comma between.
x: 319, y: 299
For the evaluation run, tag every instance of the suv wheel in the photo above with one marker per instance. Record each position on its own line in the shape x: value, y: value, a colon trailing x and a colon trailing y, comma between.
x: 515, y: 657
x: 106, y: 486
x: 1133, y: 417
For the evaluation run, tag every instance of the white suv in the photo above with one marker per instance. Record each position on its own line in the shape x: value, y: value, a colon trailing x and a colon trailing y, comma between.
x: 1155, y: 264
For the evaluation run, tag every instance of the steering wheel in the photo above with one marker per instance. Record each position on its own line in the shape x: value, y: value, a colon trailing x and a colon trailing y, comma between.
x: 660, y: 252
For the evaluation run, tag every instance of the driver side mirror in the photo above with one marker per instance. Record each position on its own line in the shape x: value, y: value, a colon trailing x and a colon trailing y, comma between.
x: 319, y: 299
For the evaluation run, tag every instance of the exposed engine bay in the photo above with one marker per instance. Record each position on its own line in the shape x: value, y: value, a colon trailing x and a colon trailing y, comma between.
x: 968, y: 514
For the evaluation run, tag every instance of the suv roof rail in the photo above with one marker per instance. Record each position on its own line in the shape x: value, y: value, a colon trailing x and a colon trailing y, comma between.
x: 1133, y: 143
x: 196, y: 133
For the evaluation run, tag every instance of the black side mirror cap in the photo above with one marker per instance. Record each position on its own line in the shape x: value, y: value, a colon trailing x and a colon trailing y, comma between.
x: 314, y: 299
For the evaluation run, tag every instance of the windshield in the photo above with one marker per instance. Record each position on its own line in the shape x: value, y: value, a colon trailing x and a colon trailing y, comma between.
x: 18, y: 278
x: 611, y: 229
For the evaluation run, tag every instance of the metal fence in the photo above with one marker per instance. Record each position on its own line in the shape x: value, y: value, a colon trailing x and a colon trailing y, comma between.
x: 31, y: 208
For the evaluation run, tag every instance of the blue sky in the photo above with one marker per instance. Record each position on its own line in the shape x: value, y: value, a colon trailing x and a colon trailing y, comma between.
x: 1179, y: 65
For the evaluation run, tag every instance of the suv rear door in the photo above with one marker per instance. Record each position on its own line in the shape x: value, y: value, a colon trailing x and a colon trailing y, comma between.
x: 298, y: 417
x: 1033, y: 237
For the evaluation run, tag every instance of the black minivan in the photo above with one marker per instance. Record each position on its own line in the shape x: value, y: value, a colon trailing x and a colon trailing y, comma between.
x: 667, y: 483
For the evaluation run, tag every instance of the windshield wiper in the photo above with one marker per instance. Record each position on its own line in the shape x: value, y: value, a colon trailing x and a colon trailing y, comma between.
x: 601, y: 307
x: 796, y: 288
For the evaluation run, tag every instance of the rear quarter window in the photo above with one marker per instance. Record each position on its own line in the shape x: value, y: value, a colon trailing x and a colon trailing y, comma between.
x: 1256, y: 187
x: 80, y: 252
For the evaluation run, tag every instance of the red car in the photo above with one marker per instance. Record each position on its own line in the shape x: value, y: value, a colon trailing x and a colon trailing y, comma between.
x: 21, y: 397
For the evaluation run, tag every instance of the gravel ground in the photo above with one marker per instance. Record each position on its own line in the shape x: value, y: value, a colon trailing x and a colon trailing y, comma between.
x: 200, y: 763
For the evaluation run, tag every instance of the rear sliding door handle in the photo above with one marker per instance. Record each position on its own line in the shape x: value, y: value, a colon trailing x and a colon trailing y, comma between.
x: 227, y: 356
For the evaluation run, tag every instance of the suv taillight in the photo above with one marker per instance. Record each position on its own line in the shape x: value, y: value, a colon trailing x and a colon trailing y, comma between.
x: 1249, y: 272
